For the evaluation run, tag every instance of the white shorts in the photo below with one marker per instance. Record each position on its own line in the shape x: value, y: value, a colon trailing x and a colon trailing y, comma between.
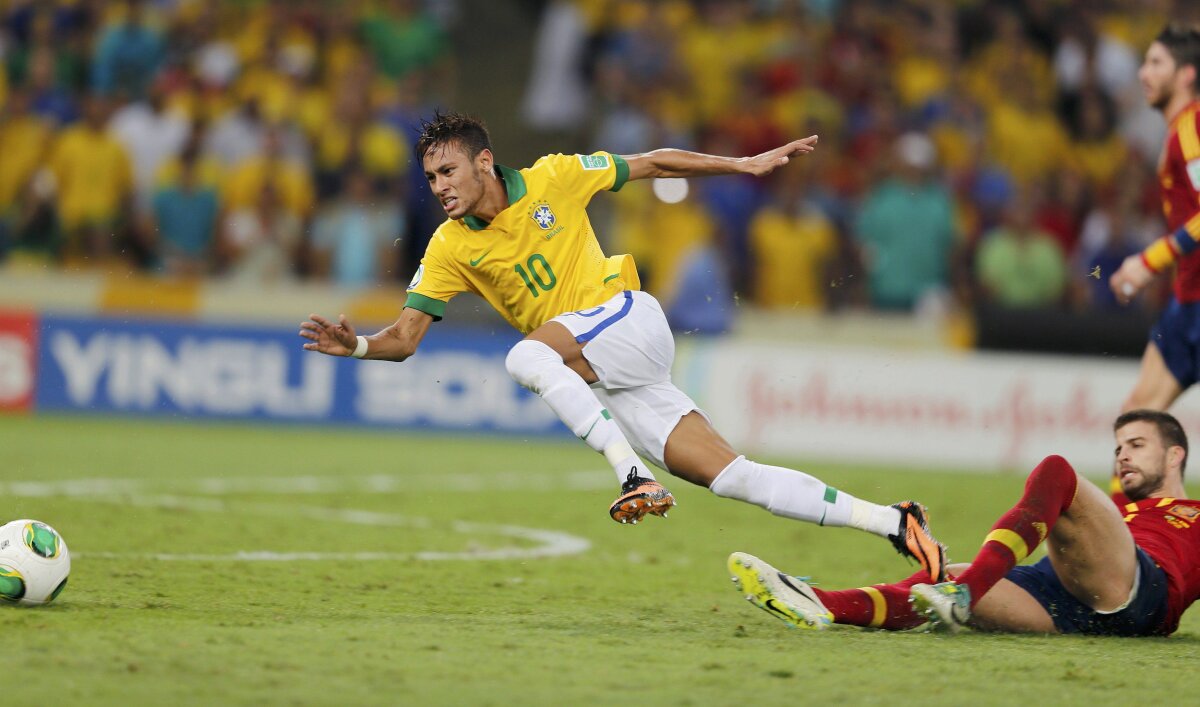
x: 630, y: 347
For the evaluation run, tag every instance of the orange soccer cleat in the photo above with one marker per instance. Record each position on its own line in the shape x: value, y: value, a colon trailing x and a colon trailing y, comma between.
x: 913, y: 540
x: 640, y: 496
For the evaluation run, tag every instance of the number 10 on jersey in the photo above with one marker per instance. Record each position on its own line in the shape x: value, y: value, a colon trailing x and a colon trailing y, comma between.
x: 537, y: 274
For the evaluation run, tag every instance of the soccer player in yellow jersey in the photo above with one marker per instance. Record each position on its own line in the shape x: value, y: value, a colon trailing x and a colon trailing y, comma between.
x: 597, y: 349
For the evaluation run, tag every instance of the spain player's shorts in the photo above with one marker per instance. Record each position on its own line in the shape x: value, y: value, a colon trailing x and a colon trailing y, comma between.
x: 631, y: 348
x: 1141, y: 616
x: 1177, y: 336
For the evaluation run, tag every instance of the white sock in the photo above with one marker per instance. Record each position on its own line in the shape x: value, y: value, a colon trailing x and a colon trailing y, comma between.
x: 539, y: 368
x: 794, y: 494
x: 872, y: 517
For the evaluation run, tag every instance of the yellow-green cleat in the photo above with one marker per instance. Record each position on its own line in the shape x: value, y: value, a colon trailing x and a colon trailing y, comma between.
x: 787, y: 598
x: 947, y: 605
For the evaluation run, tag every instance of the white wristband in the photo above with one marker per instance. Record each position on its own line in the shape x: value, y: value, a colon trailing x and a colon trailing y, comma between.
x: 360, y: 350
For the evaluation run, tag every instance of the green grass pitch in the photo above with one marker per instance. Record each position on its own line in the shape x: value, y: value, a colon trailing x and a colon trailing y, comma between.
x: 241, y: 564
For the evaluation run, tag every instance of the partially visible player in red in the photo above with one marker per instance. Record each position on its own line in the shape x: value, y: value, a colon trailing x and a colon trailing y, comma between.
x: 1109, y: 570
x: 1171, y: 362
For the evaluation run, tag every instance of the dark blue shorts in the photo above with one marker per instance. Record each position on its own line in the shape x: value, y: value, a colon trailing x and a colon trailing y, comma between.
x: 1142, y: 617
x: 1177, y: 336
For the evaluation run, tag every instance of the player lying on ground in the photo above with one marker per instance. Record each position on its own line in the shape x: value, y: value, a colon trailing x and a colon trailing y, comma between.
x: 1129, y: 571
x: 597, y: 350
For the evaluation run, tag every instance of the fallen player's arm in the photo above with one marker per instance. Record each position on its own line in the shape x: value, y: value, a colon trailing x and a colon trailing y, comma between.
x: 669, y: 162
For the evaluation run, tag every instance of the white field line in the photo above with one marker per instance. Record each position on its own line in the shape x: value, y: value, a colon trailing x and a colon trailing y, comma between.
x: 595, y: 480
x: 134, y: 492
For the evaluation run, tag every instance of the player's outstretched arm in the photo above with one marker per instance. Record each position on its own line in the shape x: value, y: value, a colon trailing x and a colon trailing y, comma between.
x: 670, y: 162
x: 395, y: 343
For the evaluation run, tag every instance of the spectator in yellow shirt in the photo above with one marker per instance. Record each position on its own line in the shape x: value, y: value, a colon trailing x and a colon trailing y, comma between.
x: 352, y: 135
x: 94, y: 180
x: 290, y: 182
x: 793, y: 242
x: 1025, y: 136
x: 1097, y: 151
x: 23, y: 139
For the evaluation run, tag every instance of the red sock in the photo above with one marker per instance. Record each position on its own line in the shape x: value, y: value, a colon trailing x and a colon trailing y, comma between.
x: 881, y: 606
x: 1049, y: 491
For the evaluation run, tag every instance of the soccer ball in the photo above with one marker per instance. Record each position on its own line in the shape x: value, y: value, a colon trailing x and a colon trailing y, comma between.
x: 34, y: 563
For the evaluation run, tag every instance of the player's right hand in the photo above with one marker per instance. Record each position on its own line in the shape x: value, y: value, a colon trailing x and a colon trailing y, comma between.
x: 329, y: 338
x: 767, y: 162
x: 1131, y: 278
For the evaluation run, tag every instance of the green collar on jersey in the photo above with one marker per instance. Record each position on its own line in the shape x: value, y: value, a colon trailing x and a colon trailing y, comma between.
x: 514, y: 184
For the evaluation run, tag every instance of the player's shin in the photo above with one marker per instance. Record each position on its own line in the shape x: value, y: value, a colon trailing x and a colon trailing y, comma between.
x: 540, y: 368
x: 884, y: 606
x: 1049, y: 491
x: 794, y: 494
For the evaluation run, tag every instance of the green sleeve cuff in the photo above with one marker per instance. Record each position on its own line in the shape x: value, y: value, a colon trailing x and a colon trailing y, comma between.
x: 433, y: 307
x: 622, y: 173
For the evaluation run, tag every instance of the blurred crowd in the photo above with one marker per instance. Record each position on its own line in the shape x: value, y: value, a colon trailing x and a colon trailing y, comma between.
x: 977, y: 151
x: 253, y: 140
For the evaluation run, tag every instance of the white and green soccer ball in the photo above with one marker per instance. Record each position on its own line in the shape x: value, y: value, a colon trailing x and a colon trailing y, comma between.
x: 34, y: 563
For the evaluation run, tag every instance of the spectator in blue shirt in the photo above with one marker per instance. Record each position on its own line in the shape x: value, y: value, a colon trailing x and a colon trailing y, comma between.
x: 906, y: 229
x: 128, y: 55
x: 353, y: 239
x: 186, y: 216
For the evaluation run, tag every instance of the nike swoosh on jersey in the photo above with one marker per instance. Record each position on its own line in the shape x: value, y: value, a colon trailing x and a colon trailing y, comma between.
x: 480, y: 258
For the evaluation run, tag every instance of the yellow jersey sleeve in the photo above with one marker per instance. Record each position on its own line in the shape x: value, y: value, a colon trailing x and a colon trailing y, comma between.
x: 584, y: 175
x: 436, y: 281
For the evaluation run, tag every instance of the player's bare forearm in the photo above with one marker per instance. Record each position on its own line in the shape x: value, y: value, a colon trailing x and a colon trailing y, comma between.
x: 395, y: 343
x: 670, y: 162
x: 401, y: 339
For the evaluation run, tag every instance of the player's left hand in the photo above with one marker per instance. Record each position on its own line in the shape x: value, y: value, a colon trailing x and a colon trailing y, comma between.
x: 767, y: 162
x: 1131, y: 278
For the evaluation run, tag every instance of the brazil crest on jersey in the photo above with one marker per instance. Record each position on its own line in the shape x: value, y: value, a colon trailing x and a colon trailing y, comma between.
x: 539, y: 258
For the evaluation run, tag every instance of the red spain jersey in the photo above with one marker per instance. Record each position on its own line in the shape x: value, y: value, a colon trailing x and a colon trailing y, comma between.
x: 1168, y: 529
x: 1179, y: 179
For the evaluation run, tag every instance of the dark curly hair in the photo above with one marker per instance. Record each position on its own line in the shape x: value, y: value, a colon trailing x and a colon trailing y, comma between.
x: 1183, y: 43
x: 448, y: 128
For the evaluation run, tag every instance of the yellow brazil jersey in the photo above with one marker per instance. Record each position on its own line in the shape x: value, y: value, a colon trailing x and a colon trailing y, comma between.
x: 539, y: 258
x: 93, y: 173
